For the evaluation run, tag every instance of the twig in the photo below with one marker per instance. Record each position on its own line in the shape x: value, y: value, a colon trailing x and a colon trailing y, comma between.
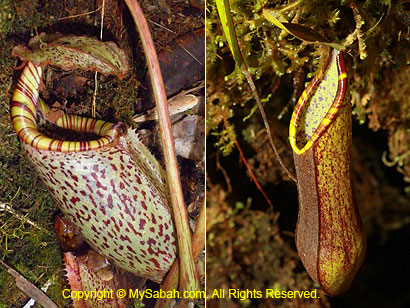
x: 6, y: 207
x: 176, y: 105
x: 96, y: 73
x: 222, y: 169
x: 189, y: 53
x: 79, y: 15
x: 29, y: 289
x: 266, y: 123
x: 102, y: 19
x: 289, y: 6
x: 161, y: 26
x: 188, y: 280
x: 44, y: 288
x: 184, y: 92
x: 94, y: 94
x: 252, y: 175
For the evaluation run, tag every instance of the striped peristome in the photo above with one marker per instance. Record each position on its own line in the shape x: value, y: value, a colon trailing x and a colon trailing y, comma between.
x: 111, y: 188
x: 23, y: 112
x: 313, y: 113
x: 329, y: 235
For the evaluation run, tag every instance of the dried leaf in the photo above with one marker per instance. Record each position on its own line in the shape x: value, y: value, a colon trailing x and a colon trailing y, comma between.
x: 176, y: 105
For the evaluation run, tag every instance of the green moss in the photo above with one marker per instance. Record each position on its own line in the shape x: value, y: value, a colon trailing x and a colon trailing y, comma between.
x: 19, y: 17
x: 117, y: 99
x: 7, y: 15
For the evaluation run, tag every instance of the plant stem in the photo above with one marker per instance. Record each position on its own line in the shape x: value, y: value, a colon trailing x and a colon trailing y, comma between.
x: 252, y: 175
x: 187, y: 276
x: 265, y: 121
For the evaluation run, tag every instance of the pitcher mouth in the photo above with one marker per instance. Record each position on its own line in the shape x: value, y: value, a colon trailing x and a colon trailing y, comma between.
x: 26, y: 104
x: 55, y: 132
x: 318, y: 104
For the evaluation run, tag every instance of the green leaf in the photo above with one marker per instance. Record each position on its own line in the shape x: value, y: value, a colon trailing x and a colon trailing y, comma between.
x: 225, y: 16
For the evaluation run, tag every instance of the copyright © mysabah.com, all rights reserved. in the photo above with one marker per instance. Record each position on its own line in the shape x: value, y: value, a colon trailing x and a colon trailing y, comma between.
x: 215, y: 294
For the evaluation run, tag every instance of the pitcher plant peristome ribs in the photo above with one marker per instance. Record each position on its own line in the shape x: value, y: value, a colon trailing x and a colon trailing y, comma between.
x: 330, y: 236
x: 23, y: 112
x: 326, y: 114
